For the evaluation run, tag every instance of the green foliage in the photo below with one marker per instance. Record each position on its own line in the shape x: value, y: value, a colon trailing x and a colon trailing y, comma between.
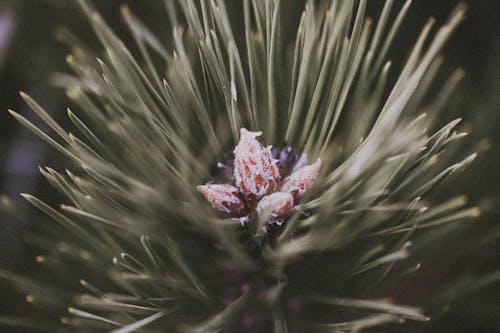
x: 150, y: 255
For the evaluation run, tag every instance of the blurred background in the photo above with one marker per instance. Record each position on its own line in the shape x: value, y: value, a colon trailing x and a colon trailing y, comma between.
x: 30, y: 54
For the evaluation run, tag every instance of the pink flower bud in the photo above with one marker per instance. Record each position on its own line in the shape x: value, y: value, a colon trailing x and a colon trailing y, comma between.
x: 224, y: 198
x: 299, y: 181
x: 255, y: 170
x: 275, y: 205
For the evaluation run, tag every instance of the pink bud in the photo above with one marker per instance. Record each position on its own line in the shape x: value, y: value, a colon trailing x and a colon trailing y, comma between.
x: 255, y: 170
x: 276, y: 205
x: 223, y: 197
x: 300, y: 181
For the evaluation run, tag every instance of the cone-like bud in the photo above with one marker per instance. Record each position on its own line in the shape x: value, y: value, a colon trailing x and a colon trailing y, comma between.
x: 224, y: 198
x: 299, y: 181
x: 275, y: 205
x: 255, y: 170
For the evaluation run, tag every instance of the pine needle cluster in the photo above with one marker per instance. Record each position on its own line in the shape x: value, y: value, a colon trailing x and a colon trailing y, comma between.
x: 136, y: 248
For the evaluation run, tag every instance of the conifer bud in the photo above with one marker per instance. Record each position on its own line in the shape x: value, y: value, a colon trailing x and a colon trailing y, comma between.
x: 255, y: 170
